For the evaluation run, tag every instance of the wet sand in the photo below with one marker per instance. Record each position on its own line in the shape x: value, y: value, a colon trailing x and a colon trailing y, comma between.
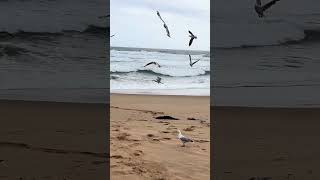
x: 47, y: 140
x: 143, y: 147
x: 279, y: 143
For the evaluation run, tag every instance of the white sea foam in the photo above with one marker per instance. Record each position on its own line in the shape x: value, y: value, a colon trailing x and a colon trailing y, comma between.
x: 128, y: 74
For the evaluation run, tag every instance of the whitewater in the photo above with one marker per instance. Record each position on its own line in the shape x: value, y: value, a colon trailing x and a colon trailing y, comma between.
x: 128, y: 74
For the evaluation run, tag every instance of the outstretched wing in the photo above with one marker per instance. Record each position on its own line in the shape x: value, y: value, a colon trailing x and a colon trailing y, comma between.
x: 190, y: 42
x: 269, y: 4
x: 148, y: 64
x: 112, y: 35
x: 185, y: 139
x: 258, y: 2
x: 160, y: 16
x: 195, y: 61
x: 191, y: 33
x: 190, y: 59
x: 167, y: 29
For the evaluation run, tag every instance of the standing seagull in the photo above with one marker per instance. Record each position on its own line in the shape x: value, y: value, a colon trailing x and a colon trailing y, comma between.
x: 164, y: 24
x: 183, y: 138
x: 158, y: 80
x: 155, y: 63
x: 192, y: 37
x: 192, y: 63
x: 260, y: 9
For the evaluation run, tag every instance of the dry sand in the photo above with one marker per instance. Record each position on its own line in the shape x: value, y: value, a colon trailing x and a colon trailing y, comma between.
x: 58, y: 141
x: 142, y: 147
x: 279, y: 143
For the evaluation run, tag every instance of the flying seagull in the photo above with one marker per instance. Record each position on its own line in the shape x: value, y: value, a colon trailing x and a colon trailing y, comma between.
x: 164, y: 24
x: 260, y: 9
x: 158, y: 80
x: 192, y: 63
x: 192, y: 37
x: 155, y: 63
x: 183, y: 138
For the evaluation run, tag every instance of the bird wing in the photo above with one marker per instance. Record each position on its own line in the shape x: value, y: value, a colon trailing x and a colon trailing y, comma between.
x: 167, y: 29
x: 258, y: 2
x: 112, y: 35
x: 190, y: 59
x: 195, y: 62
x: 160, y: 16
x: 191, y: 33
x: 191, y: 40
x: 185, y: 139
x: 269, y: 4
x: 148, y: 64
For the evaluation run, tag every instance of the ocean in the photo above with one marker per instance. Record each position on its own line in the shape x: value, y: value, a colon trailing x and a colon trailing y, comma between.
x: 129, y: 76
x: 268, y: 62
x: 54, y: 50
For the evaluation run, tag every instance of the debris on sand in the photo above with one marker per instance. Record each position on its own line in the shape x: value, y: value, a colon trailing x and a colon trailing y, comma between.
x: 166, y: 118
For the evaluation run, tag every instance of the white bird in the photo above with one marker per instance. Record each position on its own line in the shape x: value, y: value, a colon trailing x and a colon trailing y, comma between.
x: 260, y: 9
x: 183, y: 138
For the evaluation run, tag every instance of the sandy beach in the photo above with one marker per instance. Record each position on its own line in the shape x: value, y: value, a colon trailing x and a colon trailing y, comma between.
x: 47, y: 140
x: 279, y: 143
x: 143, y: 147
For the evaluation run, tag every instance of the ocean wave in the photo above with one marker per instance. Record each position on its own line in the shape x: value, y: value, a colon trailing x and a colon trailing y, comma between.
x: 272, y: 33
x: 152, y: 72
x: 164, y: 51
x: 91, y: 29
x: 309, y: 36
x: 52, y: 16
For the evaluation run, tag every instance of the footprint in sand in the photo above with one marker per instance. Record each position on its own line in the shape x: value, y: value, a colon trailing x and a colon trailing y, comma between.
x: 138, y: 153
x: 165, y: 132
x: 201, y: 141
x: 153, y: 137
x: 191, y: 128
x: 123, y: 136
x: 134, y: 144
x: 117, y: 157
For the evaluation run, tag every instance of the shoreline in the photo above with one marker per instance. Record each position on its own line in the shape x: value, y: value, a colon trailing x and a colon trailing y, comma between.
x: 164, y: 92
x: 126, y: 94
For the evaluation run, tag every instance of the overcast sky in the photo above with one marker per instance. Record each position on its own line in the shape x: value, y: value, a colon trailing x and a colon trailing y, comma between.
x: 136, y: 24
